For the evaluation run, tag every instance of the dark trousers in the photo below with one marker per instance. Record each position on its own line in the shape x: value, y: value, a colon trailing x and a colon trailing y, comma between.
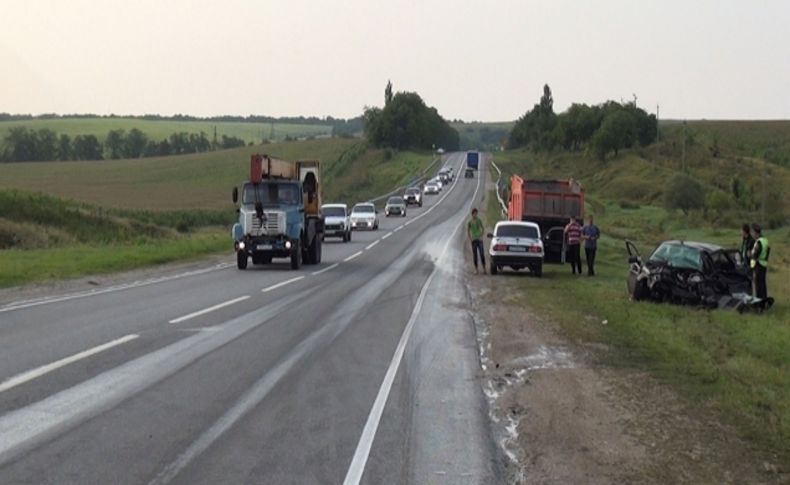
x: 477, y: 247
x: 590, y: 253
x: 574, y: 257
x: 760, y: 287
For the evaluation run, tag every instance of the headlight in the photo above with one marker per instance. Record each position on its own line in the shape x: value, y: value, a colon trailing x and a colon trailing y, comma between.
x: 241, y: 245
x: 287, y: 244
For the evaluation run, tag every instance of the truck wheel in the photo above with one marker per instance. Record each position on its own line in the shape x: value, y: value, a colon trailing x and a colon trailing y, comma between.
x: 241, y: 260
x: 296, y: 255
x: 317, y: 251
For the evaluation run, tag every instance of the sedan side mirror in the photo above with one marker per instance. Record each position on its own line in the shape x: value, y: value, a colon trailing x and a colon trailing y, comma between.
x: 235, y: 194
x: 490, y: 236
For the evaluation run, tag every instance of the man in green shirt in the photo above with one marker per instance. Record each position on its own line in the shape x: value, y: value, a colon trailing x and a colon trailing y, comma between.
x: 474, y: 229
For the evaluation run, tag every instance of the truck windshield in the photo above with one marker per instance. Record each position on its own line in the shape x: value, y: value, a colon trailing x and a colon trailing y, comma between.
x: 334, y: 212
x: 272, y: 193
x: 517, y: 231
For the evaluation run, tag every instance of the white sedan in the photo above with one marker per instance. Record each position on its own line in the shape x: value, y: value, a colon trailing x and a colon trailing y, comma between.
x: 430, y: 188
x: 518, y: 245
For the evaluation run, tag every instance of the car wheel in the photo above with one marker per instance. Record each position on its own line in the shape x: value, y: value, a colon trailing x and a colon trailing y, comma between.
x: 241, y: 259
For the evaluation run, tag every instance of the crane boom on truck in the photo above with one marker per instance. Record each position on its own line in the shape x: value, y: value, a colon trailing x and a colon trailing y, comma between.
x: 550, y: 204
x: 279, y: 213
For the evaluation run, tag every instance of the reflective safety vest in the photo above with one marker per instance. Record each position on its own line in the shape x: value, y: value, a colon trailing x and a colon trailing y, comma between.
x: 765, y: 249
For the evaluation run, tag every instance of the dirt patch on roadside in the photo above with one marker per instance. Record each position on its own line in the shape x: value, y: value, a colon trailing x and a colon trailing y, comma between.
x: 563, y: 417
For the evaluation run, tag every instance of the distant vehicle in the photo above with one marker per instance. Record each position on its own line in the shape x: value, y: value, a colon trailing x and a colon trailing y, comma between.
x: 469, y: 173
x: 445, y: 176
x: 412, y: 195
x: 692, y: 273
x: 337, y: 221
x: 550, y: 204
x: 395, y: 206
x: 431, y: 188
x: 473, y: 160
x: 437, y: 181
x: 440, y: 151
x: 517, y: 245
x: 279, y: 213
x: 364, y: 216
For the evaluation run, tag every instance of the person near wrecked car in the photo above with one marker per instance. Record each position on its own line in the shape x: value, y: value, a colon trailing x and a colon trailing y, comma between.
x: 759, y: 262
x: 474, y: 229
x: 590, y: 236
x: 747, y: 243
x: 573, y: 235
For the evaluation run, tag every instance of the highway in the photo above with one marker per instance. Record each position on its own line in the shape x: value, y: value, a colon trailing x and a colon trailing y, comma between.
x: 359, y: 370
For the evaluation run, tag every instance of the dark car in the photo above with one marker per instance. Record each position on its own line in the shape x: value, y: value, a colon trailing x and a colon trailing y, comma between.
x: 691, y: 273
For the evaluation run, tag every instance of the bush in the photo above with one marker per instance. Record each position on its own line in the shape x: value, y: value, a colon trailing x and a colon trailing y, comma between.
x: 684, y: 192
x: 718, y: 202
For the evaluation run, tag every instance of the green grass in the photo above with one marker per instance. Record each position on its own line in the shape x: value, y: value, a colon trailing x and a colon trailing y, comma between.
x: 40, y: 265
x: 158, y: 130
x: 735, y: 364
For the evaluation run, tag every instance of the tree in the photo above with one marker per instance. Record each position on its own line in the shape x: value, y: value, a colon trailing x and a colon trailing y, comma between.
x: 135, y: 144
x: 683, y: 192
x: 64, y: 148
x: 407, y: 122
x: 87, y: 147
x: 388, y: 93
x: 114, y: 144
x: 47, y: 145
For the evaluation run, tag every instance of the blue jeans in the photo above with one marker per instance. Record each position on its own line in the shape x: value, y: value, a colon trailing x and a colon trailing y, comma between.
x: 477, y: 247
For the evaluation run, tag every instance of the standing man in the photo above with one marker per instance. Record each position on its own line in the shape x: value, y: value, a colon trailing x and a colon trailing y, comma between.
x: 590, y: 235
x: 759, y: 263
x: 573, y: 234
x: 474, y: 229
x: 747, y: 242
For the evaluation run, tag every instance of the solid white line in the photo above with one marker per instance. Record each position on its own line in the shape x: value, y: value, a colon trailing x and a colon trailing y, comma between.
x: 352, y: 256
x: 209, y: 309
x: 372, y: 244
x: 385, y: 236
x: 325, y: 269
x: 358, y: 462
x: 398, y: 228
x: 72, y: 296
x: 45, y: 369
x: 279, y: 285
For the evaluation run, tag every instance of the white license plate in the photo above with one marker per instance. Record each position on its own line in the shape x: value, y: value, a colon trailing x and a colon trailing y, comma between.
x: 517, y: 249
x: 264, y: 247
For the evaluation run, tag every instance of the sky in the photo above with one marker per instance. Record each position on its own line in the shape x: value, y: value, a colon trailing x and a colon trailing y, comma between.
x: 472, y: 60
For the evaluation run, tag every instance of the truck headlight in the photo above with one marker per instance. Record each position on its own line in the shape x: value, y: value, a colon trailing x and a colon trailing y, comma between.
x: 241, y: 245
x: 287, y: 244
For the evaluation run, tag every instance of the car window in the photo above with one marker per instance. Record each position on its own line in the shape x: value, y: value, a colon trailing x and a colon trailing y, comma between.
x: 508, y: 230
x: 678, y: 256
x: 334, y: 212
x: 363, y: 209
x: 395, y: 200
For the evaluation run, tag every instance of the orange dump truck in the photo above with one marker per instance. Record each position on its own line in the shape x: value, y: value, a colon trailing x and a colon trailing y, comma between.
x: 549, y: 204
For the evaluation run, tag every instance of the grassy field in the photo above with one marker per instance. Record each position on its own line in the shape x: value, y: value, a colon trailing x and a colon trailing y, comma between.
x: 736, y: 365
x: 158, y: 130
x: 76, y: 218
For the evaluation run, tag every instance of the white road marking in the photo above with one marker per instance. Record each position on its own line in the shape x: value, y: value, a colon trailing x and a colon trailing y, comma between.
x: 352, y: 256
x: 398, y: 228
x: 372, y: 244
x: 325, y: 269
x: 385, y: 236
x: 281, y: 284
x: 209, y: 309
x: 45, y: 369
x: 360, y: 459
x: 72, y: 296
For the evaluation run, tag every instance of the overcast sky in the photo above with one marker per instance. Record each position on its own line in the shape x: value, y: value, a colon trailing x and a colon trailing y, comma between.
x: 474, y: 60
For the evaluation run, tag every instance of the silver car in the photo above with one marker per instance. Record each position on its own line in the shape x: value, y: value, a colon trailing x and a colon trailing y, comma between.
x: 364, y: 216
x: 396, y: 206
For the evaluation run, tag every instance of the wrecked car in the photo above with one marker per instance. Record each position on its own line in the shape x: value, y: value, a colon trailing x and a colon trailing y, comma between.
x: 692, y: 273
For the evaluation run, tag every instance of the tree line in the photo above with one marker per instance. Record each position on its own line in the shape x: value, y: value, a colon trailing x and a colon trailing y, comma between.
x: 604, y: 128
x: 27, y: 145
x: 407, y: 122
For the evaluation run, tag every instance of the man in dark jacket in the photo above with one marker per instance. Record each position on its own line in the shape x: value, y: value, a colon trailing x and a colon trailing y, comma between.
x: 747, y: 242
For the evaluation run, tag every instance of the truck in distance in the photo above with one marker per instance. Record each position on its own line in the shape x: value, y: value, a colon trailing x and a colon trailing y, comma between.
x: 279, y: 213
x: 473, y: 160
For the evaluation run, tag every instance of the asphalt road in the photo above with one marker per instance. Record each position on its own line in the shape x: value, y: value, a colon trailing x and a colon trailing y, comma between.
x: 361, y: 369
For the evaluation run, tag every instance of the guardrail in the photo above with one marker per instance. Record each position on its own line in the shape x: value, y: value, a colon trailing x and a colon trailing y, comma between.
x: 502, y: 204
x: 419, y: 177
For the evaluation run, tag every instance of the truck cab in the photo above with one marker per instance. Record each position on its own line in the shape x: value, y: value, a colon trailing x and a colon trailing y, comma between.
x: 279, y: 213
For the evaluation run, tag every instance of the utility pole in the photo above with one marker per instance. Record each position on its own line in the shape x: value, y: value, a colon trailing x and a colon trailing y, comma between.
x: 658, y: 130
x: 684, y: 147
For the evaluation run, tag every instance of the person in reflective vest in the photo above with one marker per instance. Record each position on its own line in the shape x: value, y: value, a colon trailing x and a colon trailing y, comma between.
x: 760, y: 253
